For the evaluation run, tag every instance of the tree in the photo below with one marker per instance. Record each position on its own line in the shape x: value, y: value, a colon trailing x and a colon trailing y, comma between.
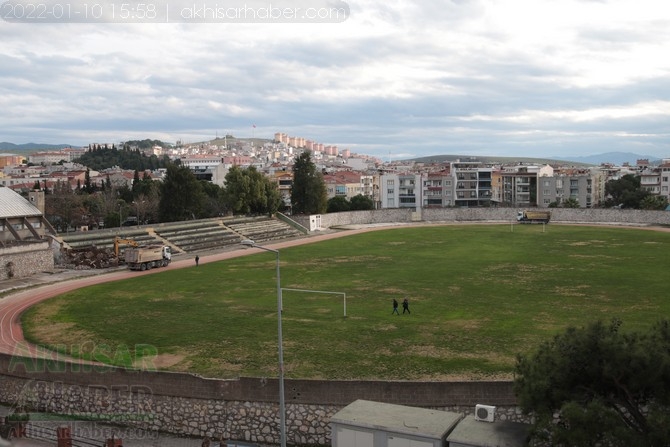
x: 308, y: 194
x: 182, y: 197
x: 361, y: 202
x: 337, y: 204
x: 248, y: 191
x: 136, y: 182
x: 63, y: 207
x: 274, y: 200
x: 236, y: 195
x: 214, y: 203
x: 570, y: 202
x: 608, y: 387
x: 654, y: 203
x: 625, y: 192
x: 88, y: 187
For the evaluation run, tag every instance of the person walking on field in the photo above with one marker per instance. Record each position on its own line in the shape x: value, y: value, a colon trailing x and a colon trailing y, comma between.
x: 395, y: 307
x: 405, y: 306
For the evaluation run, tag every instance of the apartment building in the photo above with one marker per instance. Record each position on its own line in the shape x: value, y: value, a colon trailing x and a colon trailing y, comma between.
x: 348, y: 184
x: 437, y: 189
x: 582, y: 185
x: 650, y: 180
x: 472, y: 183
x: 517, y: 186
x: 400, y: 190
x: 284, y: 181
x: 53, y: 157
x: 531, y: 186
x: 211, y: 169
x: 664, y: 169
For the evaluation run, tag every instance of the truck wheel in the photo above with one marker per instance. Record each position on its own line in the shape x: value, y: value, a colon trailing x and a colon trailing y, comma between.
x: 149, y: 265
x: 143, y: 267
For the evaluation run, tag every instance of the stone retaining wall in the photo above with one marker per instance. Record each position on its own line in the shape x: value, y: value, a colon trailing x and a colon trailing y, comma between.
x: 564, y: 215
x: 244, y: 408
x: 24, y: 259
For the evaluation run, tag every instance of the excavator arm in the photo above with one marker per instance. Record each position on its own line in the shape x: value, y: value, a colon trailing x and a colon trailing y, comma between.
x: 120, y: 241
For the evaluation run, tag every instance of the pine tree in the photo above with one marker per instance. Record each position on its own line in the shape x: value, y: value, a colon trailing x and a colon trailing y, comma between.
x: 308, y: 194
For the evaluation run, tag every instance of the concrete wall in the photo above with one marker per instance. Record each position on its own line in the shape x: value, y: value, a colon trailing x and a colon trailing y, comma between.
x: 563, y: 215
x: 359, y: 217
x: 242, y: 409
x: 24, y: 259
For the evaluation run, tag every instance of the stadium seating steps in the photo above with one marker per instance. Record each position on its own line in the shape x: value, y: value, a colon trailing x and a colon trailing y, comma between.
x: 190, y: 236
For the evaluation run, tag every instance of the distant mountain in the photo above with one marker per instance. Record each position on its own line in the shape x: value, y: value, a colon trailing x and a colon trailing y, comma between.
x: 616, y: 158
x: 11, y: 147
x: 489, y: 159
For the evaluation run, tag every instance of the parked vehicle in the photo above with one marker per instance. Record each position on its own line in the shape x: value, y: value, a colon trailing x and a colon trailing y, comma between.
x: 148, y: 257
x: 533, y: 216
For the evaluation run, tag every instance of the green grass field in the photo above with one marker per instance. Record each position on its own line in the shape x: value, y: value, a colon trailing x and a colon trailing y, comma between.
x: 479, y: 294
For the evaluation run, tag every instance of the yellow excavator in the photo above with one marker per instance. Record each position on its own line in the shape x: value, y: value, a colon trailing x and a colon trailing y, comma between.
x: 120, y: 241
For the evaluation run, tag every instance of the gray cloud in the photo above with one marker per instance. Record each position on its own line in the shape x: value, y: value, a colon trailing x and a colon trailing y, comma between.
x: 401, y: 78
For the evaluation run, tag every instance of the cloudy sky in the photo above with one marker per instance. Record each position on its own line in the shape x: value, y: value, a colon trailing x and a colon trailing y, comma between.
x: 393, y: 78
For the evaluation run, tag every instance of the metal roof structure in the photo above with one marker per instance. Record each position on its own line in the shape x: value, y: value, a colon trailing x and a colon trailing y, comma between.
x: 13, y: 204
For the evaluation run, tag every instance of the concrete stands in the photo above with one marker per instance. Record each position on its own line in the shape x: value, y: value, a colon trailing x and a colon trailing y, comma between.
x: 199, y: 235
x: 188, y: 236
x: 261, y: 229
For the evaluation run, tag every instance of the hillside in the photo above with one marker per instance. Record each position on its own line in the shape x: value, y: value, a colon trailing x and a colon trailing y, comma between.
x: 492, y: 160
x: 30, y: 147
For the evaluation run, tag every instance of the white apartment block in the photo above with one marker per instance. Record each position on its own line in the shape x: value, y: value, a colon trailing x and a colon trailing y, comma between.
x: 207, y: 168
x: 400, y: 191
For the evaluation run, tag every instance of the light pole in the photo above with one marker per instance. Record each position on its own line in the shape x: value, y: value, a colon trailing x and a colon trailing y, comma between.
x: 282, y: 406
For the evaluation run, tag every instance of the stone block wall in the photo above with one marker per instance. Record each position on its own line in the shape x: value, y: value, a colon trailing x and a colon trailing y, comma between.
x: 563, y: 215
x: 242, y: 409
x: 24, y: 259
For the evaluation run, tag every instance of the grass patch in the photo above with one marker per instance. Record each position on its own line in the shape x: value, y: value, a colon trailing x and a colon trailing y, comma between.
x: 478, y: 295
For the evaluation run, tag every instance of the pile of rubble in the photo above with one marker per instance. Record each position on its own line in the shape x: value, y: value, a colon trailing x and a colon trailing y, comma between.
x: 88, y: 258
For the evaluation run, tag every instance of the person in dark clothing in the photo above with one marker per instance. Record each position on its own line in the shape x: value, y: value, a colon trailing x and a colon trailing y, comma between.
x: 197, y: 260
x: 395, y: 307
x: 405, y: 306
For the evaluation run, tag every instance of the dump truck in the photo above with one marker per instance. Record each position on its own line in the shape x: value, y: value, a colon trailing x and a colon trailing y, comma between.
x: 532, y: 216
x: 148, y: 257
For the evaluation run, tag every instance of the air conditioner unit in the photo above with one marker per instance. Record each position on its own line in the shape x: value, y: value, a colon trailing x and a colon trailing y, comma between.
x: 485, y: 413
